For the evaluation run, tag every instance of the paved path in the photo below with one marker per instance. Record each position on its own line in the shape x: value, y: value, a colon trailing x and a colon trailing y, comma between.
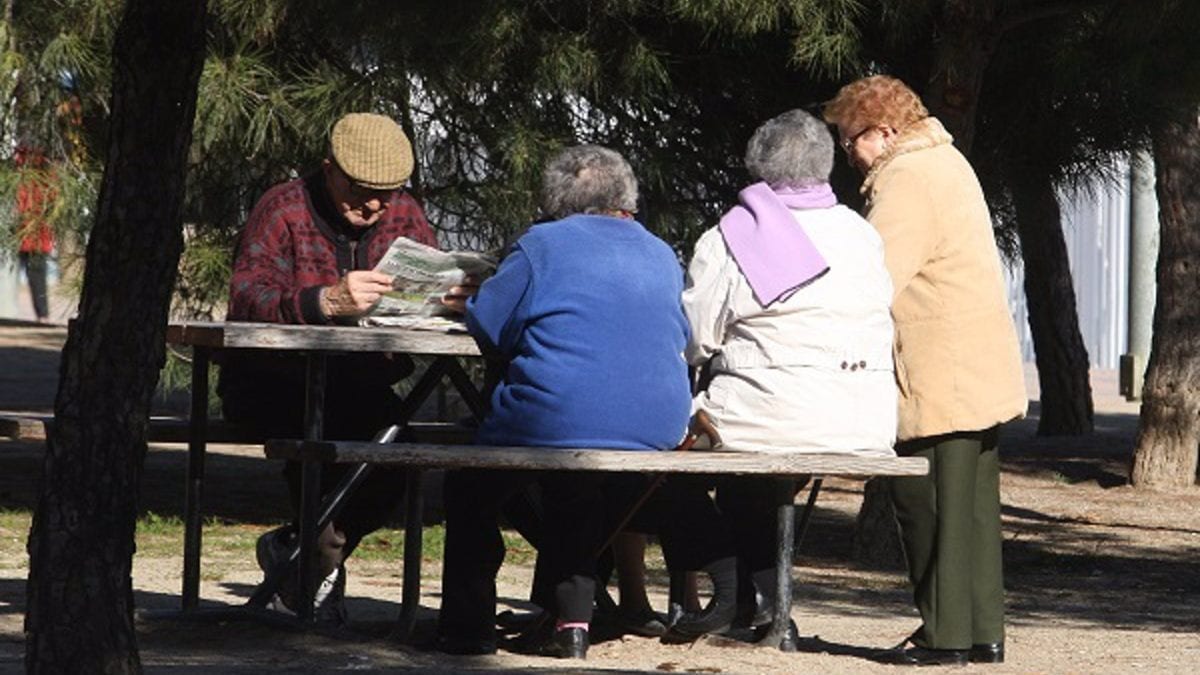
x: 29, y: 358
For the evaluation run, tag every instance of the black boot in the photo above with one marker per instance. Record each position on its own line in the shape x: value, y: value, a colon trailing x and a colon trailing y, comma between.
x: 567, y: 643
x: 721, y: 609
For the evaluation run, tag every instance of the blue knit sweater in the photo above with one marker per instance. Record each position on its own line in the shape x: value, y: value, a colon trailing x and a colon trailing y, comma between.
x: 586, y: 313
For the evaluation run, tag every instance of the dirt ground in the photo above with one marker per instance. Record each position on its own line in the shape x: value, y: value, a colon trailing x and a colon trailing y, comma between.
x: 1100, y: 577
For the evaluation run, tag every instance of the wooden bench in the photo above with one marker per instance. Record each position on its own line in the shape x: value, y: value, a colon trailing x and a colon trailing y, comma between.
x: 417, y: 457
x: 163, y: 429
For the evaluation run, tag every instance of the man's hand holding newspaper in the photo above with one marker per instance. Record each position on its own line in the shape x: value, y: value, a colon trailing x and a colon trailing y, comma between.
x: 427, y: 284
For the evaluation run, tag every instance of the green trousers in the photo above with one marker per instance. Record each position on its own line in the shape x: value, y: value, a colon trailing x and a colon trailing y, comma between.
x: 950, y: 526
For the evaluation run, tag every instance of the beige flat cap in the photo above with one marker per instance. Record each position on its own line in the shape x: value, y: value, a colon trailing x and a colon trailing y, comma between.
x: 372, y: 150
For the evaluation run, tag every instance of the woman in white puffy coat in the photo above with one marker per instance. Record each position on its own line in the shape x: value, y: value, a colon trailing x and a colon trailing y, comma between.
x: 789, y: 304
x: 811, y: 369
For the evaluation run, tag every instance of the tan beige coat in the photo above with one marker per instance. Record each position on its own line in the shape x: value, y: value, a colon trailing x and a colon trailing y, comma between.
x: 958, y: 364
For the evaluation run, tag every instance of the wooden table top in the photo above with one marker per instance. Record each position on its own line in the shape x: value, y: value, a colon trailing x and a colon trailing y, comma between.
x: 247, y: 335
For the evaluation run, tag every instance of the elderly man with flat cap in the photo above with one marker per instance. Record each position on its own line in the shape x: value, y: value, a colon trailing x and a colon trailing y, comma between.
x: 306, y: 257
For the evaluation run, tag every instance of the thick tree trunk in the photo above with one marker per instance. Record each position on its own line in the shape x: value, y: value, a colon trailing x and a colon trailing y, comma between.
x: 1165, y: 454
x: 80, y: 599
x: 1062, y: 358
x: 876, y: 533
x: 963, y: 49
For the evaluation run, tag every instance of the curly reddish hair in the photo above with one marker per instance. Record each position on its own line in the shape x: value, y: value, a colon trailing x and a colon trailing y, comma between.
x: 875, y: 100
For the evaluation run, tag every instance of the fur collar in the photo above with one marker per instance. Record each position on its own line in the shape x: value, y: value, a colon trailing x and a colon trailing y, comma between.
x: 922, y: 135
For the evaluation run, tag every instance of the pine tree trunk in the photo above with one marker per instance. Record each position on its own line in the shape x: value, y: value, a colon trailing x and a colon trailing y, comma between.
x: 1166, y: 450
x: 1062, y: 358
x: 876, y: 533
x: 80, y: 598
x: 961, y: 56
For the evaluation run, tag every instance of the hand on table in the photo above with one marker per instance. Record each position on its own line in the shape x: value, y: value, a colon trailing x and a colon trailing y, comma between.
x: 355, y: 293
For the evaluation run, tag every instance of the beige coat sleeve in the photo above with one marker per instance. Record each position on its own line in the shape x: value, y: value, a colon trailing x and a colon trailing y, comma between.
x: 902, y: 211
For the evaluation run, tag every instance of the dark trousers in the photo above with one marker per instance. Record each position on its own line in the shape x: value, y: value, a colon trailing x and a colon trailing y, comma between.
x: 696, y: 530
x: 950, y: 526
x: 693, y: 533
x: 572, y: 529
x: 356, y: 417
x: 34, y: 265
x: 752, y: 505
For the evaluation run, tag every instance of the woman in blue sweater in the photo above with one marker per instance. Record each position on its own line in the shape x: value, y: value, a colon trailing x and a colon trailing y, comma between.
x: 585, y: 313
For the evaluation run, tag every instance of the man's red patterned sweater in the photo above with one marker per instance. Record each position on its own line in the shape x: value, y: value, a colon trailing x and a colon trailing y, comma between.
x: 294, y: 243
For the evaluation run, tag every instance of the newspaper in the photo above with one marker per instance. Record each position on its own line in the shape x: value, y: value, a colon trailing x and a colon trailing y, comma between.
x: 421, y: 275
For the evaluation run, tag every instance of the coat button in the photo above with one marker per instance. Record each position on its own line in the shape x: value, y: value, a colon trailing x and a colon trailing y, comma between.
x: 862, y: 364
x: 853, y: 366
x: 845, y: 365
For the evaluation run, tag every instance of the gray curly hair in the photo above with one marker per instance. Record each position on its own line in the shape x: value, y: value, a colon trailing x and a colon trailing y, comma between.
x: 791, y: 150
x: 588, y: 179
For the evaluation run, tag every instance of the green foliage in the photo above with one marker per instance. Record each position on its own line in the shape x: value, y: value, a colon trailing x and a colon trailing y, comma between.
x: 489, y: 89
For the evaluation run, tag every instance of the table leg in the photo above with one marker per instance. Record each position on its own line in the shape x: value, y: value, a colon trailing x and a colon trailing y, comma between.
x: 422, y: 389
x: 466, y: 388
x: 781, y: 622
x: 410, y: 601
x: 194, y: 487
x: 310, y: 485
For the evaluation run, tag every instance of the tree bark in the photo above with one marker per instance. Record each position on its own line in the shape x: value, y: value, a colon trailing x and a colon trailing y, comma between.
x: 964, y: 43
x: 1062, y: 358
x: 80, y: 598
x: 876, y: 534
x: 1166, y: 451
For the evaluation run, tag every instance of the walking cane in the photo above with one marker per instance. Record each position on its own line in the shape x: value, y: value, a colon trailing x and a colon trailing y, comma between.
x: 702, y: 426
x: 330, y: 508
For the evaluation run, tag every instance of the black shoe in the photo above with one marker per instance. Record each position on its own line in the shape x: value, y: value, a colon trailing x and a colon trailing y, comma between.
x: 691, y: 626
x: 646, y: 623
x: 533, y: 637
x: 517, y: 622
x: 274, y: 546
x: 568, y: 643
x: 991, y: 652
x: 922, y: 656
x: 459, y: 646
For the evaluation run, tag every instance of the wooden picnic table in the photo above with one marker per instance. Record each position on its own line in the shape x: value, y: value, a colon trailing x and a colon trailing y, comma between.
x: 316, y: 342
x: 313, y: 451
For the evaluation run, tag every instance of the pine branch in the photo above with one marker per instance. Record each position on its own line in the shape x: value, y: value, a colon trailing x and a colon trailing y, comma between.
x: 1045, y: 10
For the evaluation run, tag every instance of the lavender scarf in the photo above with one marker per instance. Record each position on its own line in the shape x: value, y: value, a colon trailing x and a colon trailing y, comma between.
x: 769, y: 246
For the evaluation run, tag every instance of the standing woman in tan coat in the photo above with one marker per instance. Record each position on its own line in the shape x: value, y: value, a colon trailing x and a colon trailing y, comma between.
x: 958, y: 365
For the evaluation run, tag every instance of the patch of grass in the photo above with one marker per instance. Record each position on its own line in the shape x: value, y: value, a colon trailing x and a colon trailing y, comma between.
x: 152, y: 524
x: 161, y: 536
x: 388, y: 544
x: 14, y: 528
x: 15, y: 522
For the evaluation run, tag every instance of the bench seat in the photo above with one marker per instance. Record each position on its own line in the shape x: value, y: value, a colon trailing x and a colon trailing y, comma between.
x: 165, y: 429
x: 417, y: 457
x: 427, y: 455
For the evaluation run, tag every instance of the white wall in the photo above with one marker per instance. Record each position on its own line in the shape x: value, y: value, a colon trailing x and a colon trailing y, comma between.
x: 10, y: 286
x: 1096, y: 227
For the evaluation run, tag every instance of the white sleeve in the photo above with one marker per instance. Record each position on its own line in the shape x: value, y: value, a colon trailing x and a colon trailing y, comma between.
x: 706, y: 297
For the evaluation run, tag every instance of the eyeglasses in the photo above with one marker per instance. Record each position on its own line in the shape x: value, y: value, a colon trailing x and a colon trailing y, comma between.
x: 848, y: 143
x: 361, y: 193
